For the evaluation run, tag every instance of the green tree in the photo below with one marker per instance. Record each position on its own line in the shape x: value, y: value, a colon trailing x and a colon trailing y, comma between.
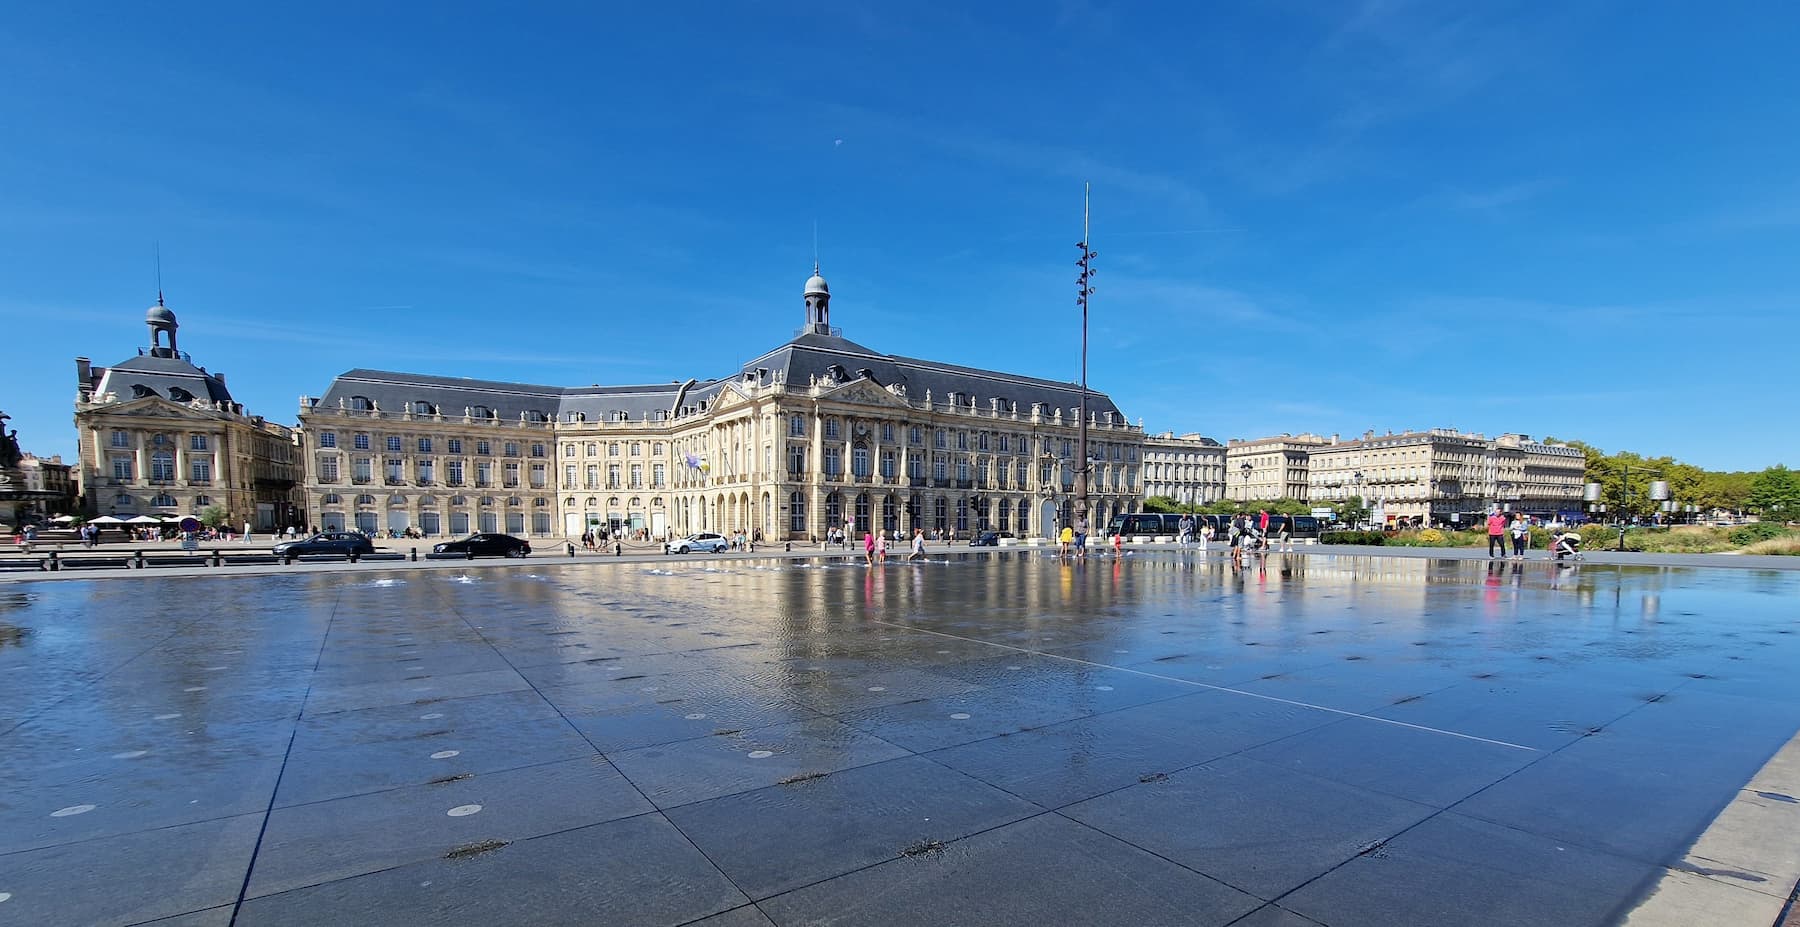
x: 1164, y: 504
x: 1776, y: 494
x: 214, y: 517
x: 1351, y: 511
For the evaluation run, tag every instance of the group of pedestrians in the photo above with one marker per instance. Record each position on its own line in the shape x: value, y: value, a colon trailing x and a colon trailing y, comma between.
x: 1499, y: 528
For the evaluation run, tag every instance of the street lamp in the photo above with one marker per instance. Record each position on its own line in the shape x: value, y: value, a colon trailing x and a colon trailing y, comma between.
x: 1085, y: 289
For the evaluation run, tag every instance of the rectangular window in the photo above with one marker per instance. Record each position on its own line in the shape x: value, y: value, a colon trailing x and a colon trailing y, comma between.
x: 427, y: 471
x: 833, y: 461
x: 121, y: 439
x: 569, y: 481
x: 121, y: 467
x: 859, y: 461
x: 455, y: 474
x: 962, y: 470
x: 540, y: 475
x: 512, y: 449
x: 887, y: 464
x: 362, y: 469
x: 483, y: 448
x: 484, y: 473
x: 612, y: 449
x: 657, y: 475
x: 913, y: 437
x: 796, y: 426
x: 612, y: 476
x: 512, y: 474
x: 537, y: 450
x: 831, y: 428
x: 915, y: 466
x: 939, y: 439
x: 940, y: 468
x: 424, y: 445
x: 197, y: 442
x: 637, y: 475
x: 637, y: 449
x: 396, y: 470
x: 1006, y: 444
x: 796, y: 459
x: 453, y: 445
x: 593, y: 477
x: 393, y: 443
x: 962, y: 440
x: 362, y: 441
x: 328, y: 469
x: 328, y: 439
x: 592, y: 449
x: 202, y: 471
x: 887, y: 432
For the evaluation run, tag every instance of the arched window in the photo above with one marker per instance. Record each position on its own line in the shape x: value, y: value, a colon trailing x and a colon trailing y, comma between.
x: 331, y: 498
x: 834, y: 510
x: 427, y: 501
x: 365, y: 499
x: 487, y: 500
x: 163, y: 501
x: 459, y: 500
x: 122, y: 501
x: 540, y: 502
x: 1005, y: 513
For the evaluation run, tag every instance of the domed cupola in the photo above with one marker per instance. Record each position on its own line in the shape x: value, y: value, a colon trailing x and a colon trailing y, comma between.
x: 818, y: 304
x: 161, y: 321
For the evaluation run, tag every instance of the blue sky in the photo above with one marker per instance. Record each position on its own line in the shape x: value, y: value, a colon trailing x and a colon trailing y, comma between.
x: 1578, y: 220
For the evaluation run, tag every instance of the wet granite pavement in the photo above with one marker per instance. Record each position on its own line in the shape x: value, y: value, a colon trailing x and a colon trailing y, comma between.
x: 992, y: 739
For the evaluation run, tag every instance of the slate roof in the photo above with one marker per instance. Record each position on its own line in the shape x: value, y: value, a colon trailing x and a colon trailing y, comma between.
x: 799, y: 361
x: 162, y: 374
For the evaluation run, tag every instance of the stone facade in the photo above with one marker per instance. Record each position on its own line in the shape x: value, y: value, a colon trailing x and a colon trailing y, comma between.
x: 818, y: 433
x: 1443, y: 476
x: 1269, y: 468
x: 51, y: 476
x: 161, y: 436
x: 1189, y: 469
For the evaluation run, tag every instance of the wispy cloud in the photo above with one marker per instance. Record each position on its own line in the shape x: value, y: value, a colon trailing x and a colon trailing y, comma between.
x: 1496, y: 198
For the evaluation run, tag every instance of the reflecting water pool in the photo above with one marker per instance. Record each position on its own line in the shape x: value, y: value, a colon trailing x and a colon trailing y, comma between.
x: 995, y: 739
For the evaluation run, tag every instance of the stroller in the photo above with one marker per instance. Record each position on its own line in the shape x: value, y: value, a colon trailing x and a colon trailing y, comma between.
x: 1566, y: 545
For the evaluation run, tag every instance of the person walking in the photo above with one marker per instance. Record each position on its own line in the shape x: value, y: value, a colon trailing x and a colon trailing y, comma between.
x: 881, y: 544
x: 1119, y: 544
x: 1287, y: 532
x: 1262, y: 523
x: 1496, y: 525
x: 869, y: 548
x: 918, y: 545
x: 1521, y: 534
x: 1206, y: 533
x: 1186, y: 528
x: 1064, y: 539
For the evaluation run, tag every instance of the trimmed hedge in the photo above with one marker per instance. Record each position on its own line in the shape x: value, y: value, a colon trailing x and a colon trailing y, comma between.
x: 1366, y: 538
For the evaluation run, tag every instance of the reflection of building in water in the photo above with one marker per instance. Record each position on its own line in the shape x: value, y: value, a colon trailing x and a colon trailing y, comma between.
x: 818, y: 433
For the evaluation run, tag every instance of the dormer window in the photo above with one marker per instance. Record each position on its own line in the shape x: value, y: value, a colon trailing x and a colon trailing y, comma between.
x: 180, y: 395
x: 361, y: 404
x: 423, y: 408
x: 140, y: 391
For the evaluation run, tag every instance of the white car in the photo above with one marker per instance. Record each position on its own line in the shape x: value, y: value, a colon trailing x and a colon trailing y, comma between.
x: 712, y: 543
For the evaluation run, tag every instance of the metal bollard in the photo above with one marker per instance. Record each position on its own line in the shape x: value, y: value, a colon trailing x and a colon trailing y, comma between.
x: 217, y: 558
x: 790, y: 547
x: 571, y: 550
x: 618, y: 549
x: 55, y: 564
x: 138, y: 562
x: 415, y: 555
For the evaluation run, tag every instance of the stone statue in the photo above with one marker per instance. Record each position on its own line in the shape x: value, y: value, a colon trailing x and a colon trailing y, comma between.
x: 10, y: 455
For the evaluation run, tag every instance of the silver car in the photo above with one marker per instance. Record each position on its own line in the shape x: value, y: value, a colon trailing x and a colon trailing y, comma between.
x: 711, y: 543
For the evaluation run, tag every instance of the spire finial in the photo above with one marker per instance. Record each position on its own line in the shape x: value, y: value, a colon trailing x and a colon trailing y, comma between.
x: 159, y: 291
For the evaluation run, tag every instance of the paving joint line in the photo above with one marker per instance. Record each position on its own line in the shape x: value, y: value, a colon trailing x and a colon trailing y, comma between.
x: 1203, y: 685
x: 275, y: 790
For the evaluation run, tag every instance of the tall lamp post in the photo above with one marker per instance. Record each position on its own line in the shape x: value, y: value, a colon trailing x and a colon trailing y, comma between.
x: 1245, y: 469
x: 1084, y: 290
x: 1659, y: 491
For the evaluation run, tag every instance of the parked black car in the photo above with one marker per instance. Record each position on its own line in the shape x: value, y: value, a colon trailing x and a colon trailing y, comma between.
x: 989, y: 538
x: 342, y: 543
x: 486, y: 545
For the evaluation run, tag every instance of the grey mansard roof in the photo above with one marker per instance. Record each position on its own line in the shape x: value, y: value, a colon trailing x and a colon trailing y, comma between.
x: 799, y: 362
x: 813, y: 355
x: 170, y: 377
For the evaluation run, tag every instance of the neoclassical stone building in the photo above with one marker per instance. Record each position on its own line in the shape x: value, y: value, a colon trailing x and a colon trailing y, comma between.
x: 161, y: 436
x: 1189, y: 469
x: 1443, y: 476
x: 819, y: 432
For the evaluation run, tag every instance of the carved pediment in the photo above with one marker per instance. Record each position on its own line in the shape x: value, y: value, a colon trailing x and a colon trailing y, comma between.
x: 864, y: 392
